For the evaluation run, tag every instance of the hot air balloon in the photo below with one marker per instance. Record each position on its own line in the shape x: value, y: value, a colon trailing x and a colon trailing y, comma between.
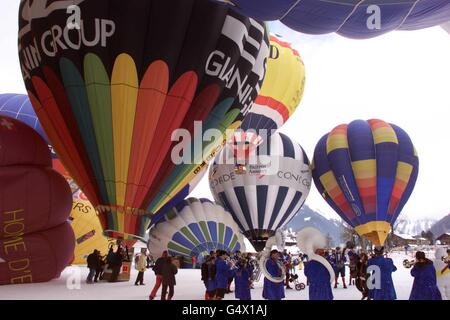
x: 280, y: 96
x: 352, y: 18
x: 36, y: 242
x: 195, y: 227
x: 115, y: 84
x: 264, y: 194
x: 366, y: 171
x: 33, y: 197
x: 88, y: 232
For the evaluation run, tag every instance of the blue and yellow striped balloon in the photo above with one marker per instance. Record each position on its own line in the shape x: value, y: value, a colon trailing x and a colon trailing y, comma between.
x: 366, y: 171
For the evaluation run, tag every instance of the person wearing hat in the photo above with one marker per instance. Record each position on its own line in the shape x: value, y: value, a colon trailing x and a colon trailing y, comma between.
x: 425, y: 282
x: 272, y: 290
x: 384, y: 290
x: 158, y: 269
x: 319, y: 274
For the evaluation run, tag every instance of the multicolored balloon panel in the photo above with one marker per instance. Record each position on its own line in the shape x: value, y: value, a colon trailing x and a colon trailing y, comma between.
x: 350, y: 18
x: 111, y: 93
x: 195, y: 227
x: 366, y: 171
x: 267, y: 192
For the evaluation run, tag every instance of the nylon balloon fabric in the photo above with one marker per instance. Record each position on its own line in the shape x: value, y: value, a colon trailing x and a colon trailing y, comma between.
x: 358, y: 19
x: 267, y: 192
x: 366, y: 171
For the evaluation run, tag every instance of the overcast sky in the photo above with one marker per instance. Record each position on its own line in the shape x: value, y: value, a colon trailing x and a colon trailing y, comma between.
x: 401, y: 77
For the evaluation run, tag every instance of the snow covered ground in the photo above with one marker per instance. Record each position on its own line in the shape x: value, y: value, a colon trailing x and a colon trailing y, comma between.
x: 71, y: 285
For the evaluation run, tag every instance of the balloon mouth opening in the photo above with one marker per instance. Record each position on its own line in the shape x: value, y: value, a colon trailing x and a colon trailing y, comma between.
x: 122, y: 235
x: 375, y: 231
x: 258, y: 238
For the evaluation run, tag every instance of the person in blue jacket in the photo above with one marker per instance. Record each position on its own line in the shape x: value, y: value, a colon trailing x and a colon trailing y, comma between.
x: 272, y: 290
x: 319, y: 279
x: 338, y: 261
x: 425, y: 282
x: 384, y: 290
x: 208, y: 270
x: 222, y: 274
x: 242, y: 279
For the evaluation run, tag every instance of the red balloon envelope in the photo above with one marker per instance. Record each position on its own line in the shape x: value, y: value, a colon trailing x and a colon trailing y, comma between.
x: 36, y: 241
x: 37, y: 257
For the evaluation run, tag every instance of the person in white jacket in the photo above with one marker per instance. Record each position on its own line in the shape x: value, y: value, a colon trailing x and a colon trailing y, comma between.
x: 141, y: 266
x: 442, y: 273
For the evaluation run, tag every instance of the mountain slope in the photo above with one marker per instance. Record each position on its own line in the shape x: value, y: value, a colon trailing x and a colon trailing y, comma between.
x: 442, y: 226
x: 307, y: 217
x: 413, y: 227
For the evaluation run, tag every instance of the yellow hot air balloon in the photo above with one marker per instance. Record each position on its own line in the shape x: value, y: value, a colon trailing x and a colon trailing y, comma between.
x: 282, y: 89
x: 88, y: 231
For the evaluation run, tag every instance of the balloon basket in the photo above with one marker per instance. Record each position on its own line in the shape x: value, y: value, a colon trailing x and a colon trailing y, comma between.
x: 124, y: 275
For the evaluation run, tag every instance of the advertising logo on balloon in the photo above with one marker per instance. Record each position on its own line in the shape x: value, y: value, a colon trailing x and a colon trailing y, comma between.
x: 220, y: 65
x: 13, y: 229
x: 60, y: 37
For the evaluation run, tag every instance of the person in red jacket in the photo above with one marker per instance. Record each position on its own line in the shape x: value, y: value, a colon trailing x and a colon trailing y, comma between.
x: 158, y: 269
x: 194, y: 262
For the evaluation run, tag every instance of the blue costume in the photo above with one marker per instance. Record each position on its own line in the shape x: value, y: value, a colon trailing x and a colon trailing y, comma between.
x: 242, y: 283
x: 338, y: 261
x: 272, y: 290
x: 222, y: 273
x: 425, y: 283
x: 386, y: 290
x: 319, y: 281
x: 210, y: 283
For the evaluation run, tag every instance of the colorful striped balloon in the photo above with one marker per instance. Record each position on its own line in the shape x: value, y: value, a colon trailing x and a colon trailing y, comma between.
x: 195, y: 227
x: 18, y: 106
x: 111, y: 94
x: 359, y: 19
x: 266, y: 192
x: 366, y: 171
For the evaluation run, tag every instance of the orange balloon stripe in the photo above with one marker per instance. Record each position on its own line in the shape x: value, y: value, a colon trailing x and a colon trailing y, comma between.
x: 177, y: 104
x: 376, y: 124
x: 151, y: 98
x: 200, y: 108
x: 275, y: 105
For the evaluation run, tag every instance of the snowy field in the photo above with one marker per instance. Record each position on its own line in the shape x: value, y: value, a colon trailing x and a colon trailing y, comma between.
x: 71, y: 286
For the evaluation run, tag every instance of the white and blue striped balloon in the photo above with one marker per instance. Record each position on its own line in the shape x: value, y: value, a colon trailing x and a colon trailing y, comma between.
x: 266, y: 193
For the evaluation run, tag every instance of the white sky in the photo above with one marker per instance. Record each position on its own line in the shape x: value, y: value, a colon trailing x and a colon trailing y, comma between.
x: 401, y: 77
